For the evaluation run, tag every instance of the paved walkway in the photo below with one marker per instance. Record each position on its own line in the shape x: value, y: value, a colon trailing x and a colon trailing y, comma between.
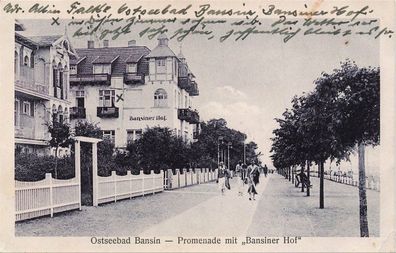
x: 285, y: 210
x: 228, y: 215
x: 280, y: 209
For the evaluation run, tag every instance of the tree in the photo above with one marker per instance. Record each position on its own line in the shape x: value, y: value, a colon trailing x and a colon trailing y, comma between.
x: 356, y: 92
x: 60, y: 137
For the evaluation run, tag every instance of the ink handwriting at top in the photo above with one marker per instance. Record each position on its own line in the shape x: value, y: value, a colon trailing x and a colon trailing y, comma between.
x: 206, y: 9
x: 75, y: 8
x: 140, y: 11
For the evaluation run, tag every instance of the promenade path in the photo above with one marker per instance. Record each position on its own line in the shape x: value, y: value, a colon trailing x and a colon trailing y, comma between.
x: 280, y: 209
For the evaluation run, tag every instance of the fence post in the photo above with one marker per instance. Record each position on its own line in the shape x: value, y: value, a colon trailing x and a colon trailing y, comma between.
x: 48, y: 177
x: 77, y: 168
x: 152, y: 174
x: 178, y: 178
x: 129, y: 175
x: 142, y: 181
x: 113, y: 177
x: 95, y: 185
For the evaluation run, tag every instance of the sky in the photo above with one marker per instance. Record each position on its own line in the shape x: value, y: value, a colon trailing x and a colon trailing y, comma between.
x: 251, y: 82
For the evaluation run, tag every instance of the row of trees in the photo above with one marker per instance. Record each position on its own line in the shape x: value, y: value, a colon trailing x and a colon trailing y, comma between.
x: 159, y: 148
x: 341, y: 115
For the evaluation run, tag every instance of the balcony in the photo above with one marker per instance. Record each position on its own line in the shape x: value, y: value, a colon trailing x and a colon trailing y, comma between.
x: 188, y: 115
x: 27, y: 80
x: 107, y: 112
x: 133, y: 78
x: 184, y: 82
x: 90, y: 79
x: 193, y: 90
x: 77, y: 113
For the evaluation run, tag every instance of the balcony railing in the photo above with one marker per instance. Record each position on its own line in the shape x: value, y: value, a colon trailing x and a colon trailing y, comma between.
x: 188, y: 115
x: 77, y: 113
x: 133, y: 78
x: 193, y: 90
x: 107, y: 112
x: 184, y: 82
x: 92, y: 79
x: 26, y: 79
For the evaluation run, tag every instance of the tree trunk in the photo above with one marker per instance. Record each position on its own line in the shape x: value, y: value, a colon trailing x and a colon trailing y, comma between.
x: 302, y: 184
x: 293, y: 173
x: 364, y: 232
x: 308, y: 175
x: 321, y: 190
x: 289, y: 173
x: 56, y: 163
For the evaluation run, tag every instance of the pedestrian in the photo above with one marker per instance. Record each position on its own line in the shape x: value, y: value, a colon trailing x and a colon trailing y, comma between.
x: 265, y: 170
x: 240, y: 179
x: 256, y: 174
x: 221, y: 176
x: 251, y: 171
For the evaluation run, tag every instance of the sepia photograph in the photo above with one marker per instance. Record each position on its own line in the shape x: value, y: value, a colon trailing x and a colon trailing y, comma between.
x: 199, y: 126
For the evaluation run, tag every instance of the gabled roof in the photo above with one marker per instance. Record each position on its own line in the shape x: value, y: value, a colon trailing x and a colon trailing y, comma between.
x: 105, y: 59
x: 74, y: 60
x: 134, y: 58
x: 119, y: 64
x: 46, y: 40
x: 161, y: 51
x: 25, y: 41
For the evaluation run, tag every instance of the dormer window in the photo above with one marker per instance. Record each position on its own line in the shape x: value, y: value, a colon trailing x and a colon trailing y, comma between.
x: 131, y: 68
x: 73, y: 69
x: 102, y: 69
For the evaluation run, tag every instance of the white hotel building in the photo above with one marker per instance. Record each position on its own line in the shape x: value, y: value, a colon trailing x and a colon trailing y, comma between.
x: 41, y: 74
x: 128, y: 89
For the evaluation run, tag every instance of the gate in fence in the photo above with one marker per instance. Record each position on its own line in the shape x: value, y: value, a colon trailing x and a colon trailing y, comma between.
x: 49, y: 196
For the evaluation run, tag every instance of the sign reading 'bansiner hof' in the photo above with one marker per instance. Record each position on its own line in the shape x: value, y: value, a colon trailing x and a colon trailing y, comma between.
x: 148, y: 118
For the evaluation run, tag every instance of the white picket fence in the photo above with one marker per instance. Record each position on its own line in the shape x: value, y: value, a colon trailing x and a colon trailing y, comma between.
x: 46, y: 197
x: 187, y: 178
x: 371, y: 183
x: 114, y: 187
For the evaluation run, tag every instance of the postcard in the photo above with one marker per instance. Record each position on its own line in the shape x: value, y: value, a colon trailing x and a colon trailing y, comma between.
x: 197, y: 126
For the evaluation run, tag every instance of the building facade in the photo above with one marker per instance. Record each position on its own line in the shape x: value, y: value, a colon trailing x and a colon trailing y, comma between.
x: 41, y: 72
x: 129, y: 89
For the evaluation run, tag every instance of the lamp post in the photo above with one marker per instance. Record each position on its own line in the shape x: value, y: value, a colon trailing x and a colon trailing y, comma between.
x: 229, y: 144
x: 244, y: 152
x: 220, y: 138
x: 228, y: 154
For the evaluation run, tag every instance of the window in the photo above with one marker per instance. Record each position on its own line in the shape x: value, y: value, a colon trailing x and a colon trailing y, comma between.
x: 26, y: 108
x: 73, y: 70
x: 160, y: 98
x: 80, y: 94
x: 101, y: 69
x: 131, y: 68
x: 16, y: 113
x: 109, y: 135
x: 107, y: 98
x: 160, y: 63
x: 133, y: 135
x: 26, y: 61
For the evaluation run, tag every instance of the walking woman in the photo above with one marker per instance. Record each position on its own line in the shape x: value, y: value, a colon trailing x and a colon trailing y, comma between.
x: 221, y: 177
x: 240, y: 181
x: 251, y: 172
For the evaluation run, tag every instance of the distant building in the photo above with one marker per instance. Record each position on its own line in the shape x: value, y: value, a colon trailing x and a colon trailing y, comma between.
x: 41, y: 69
x: 128, y: 89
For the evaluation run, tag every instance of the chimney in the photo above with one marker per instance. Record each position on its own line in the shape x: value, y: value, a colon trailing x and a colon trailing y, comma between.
x: 131, y: 43
x: 106, y: 43
x: 91, y: 44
